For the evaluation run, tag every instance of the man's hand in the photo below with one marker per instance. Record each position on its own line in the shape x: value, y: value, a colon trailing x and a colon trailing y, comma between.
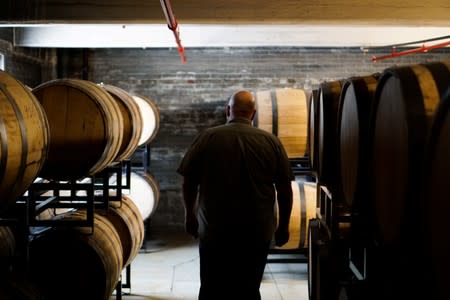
x: 281, y: 237
x: 190, y: 189
x: 191, y: 225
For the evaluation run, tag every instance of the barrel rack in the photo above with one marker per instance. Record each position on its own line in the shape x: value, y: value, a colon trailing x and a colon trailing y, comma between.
x: 89, y: 193
x: 140, y: 163
x: 346, y: 256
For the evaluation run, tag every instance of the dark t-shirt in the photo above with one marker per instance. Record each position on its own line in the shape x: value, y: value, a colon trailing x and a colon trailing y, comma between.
x: 236, y: 166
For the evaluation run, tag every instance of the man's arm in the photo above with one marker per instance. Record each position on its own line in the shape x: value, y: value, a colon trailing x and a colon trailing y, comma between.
x: 190, y: 190
x: 284, y: 199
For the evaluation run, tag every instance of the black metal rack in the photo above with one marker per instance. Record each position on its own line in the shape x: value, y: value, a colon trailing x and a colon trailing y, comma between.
x: 88, y: 193
x: 346, y: 260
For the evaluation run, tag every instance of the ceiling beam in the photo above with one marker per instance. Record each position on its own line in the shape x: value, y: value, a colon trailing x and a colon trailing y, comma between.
x: 205, y: 35
x: 386, y: 12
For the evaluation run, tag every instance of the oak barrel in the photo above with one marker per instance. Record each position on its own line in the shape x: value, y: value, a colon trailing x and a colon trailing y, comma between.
x: 132, y: 121
x: 150, y: 118
x: 127, y: 220
x: 144, y: 192
x: 24, y: 139
x: 284, y: 113
x: 356, y: 101
x: 7, y: 249
x: 405, y: 101
x: 303, y: 209
x: 8, y: 242
x: 77, y: 262
x: 329, y: 93
x: 85, y: 128
x: 435, y: 202
x: 17, y: 286
x: 313, y: 128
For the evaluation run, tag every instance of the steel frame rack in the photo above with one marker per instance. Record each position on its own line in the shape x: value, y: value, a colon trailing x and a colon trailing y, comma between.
x: 89, y: 193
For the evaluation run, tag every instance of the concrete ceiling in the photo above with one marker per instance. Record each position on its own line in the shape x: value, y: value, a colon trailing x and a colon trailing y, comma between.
x: 139, y: 23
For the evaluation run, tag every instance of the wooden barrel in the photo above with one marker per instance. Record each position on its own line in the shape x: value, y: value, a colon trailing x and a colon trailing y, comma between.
x: 405, y: 101
x: 313, y: 126
x: 77, y: 262
x: 356, y: 102
x: 435, y: 202
x: 17, y: 286
x: 329, y: 93
x: 150, y: 118
x: 128, y: 222
x: 283, y: 112
x: 132, y: 121
x: 85, y: 128
x: 8, y: 242
x: 7, y: 249
x: 303, y: 209
x: 24, y: 138
x: 144, y: 192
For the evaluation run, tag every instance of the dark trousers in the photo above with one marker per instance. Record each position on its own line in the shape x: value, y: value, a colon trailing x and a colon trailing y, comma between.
x: 232, y: 269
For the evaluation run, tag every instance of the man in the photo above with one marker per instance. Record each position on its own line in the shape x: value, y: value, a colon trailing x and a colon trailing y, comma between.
x: 234, y: 169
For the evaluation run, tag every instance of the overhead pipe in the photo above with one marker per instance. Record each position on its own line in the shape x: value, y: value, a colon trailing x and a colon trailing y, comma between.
x: 173, y: 25
x: 410, y: 43
x: 422, y: 49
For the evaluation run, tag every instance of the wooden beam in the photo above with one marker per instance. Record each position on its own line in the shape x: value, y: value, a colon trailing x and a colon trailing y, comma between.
x: 386, y: 12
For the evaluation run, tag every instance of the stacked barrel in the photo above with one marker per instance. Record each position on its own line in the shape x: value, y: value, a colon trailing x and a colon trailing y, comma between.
x: 382, y: 157
x: 143, y: 182
x: 24, y: 140
x: 284, y: 113
x: 72, y: 130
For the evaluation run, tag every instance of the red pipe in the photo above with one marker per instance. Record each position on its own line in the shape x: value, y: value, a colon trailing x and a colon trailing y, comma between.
x: 422, y: 49
x: 173, y: 25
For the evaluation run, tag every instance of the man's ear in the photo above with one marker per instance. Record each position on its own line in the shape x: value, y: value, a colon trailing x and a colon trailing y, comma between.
x: 228, y: 110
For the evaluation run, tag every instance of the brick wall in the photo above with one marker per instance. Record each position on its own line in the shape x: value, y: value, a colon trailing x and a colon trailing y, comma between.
x: 30, y: 66
x: 191, y: 97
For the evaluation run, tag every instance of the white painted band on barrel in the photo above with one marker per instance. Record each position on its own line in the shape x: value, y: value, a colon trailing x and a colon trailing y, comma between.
x: 141, y: 193
x: 148, y: 119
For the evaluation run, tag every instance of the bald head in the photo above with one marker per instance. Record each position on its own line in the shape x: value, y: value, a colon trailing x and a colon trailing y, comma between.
x: 241, y: 105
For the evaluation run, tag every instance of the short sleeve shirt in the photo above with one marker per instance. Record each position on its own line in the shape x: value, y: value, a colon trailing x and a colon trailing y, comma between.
x: 236, y: 166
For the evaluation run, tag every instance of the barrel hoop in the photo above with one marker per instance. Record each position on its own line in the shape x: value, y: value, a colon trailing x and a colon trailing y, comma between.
x: 4, y: 148
x: 428, y: 88
x: 441, y: 75
x: 273, y: 97
x: 303, y: 208
x: 21, y: 121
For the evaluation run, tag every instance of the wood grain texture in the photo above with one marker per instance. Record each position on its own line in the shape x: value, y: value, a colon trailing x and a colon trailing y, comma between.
x: 86, y: 128
x: 232, y: 11
x: 24, y: 139
x: 283, y: 112
x: 406, y: 100
x: 77, y: 260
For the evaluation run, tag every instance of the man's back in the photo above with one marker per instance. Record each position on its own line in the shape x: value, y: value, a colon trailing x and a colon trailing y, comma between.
x: 233, y: 168
x: 236, y: 167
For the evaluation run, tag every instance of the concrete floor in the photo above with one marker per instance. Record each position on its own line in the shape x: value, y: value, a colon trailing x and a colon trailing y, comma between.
x: 167, y: 268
